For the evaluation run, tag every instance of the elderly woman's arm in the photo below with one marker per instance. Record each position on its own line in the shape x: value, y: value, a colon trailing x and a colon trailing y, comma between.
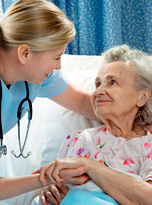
x: 123, y: 188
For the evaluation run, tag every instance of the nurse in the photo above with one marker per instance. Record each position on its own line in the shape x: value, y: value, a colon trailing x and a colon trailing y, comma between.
x: 33, y: 37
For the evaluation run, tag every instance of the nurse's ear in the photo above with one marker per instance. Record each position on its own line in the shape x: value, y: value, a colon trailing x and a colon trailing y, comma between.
x: 143, y: 96
x: 23, y: 52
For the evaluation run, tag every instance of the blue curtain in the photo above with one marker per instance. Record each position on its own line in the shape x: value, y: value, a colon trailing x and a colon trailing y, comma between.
x: 102, y: 24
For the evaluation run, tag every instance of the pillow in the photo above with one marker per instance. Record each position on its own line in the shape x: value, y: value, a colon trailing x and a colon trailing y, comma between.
x: 58, y: 122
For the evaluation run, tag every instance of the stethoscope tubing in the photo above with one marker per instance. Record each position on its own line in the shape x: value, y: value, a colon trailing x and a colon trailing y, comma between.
x: 3, y: 148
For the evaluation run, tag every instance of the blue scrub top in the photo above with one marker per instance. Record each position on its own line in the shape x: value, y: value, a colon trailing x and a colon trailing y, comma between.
x: 55, y: 84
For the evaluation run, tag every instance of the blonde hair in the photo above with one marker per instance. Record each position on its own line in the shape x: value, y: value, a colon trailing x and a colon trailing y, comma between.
x: 38, y: 23
x: 142, y: 68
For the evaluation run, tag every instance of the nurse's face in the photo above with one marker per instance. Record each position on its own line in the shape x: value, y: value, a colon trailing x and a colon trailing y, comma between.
x: 42, y: 64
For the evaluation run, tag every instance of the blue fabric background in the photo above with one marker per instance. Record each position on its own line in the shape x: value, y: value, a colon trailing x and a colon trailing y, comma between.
x: 102, y: 24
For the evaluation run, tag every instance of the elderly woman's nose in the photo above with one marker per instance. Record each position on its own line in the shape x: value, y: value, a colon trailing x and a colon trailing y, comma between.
x: 101, y: 90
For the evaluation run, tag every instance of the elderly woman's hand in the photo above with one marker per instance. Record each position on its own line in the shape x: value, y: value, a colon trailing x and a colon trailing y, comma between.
x: 53, y: 194
x: 149, y: 127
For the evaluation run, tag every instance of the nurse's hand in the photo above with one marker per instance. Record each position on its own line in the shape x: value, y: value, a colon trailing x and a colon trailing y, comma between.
x: 52, y: 170
x: 69, y: 175
x: 53, y: 194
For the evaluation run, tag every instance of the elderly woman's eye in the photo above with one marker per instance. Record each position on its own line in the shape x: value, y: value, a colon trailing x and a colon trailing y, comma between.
x: 98, y: 84
x: 113, y: 82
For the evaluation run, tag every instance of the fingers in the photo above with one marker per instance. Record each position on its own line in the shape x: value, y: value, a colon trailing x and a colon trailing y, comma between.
x: 53, y: 175
x: 79, y: 180
x: 43, y: 200
x: 63, y: 189
x: 53, y: 194
x: 52, y: 170
x: 69, y: 173
x: 75, y: 176
x: 43, y: 171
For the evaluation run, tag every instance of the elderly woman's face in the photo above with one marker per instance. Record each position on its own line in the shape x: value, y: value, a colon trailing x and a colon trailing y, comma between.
x: 115, y: 94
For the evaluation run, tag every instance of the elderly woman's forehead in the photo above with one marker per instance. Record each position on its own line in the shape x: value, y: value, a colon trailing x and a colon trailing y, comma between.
x: 115, y: 67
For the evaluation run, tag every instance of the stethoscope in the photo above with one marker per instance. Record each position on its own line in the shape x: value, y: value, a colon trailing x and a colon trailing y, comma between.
x: 3, y: 148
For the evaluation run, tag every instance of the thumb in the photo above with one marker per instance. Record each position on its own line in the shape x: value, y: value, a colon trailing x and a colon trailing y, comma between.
x: 80, y: 170
x: 36, y: 172
x: 149, y: 127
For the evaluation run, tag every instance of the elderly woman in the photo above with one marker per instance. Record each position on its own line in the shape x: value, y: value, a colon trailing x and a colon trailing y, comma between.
x: 123, y: 146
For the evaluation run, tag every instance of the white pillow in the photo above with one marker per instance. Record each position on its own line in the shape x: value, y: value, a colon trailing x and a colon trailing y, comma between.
x: 58, y: 121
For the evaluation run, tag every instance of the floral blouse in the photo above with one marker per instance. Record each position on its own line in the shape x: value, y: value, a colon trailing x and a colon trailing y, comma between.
x: 132, y: 156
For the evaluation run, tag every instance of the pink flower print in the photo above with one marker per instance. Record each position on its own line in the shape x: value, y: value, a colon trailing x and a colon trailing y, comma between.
x: 128, y: 161
x: 104, y: 129
x: 87, y: 155
x: 79, y: 151
x: 68, y: 137
x: 98, y: 140
x: 147, y: 145
x: 149, y: 177
x: 96, y: 155
x: 149, y: 155
x: 75, y: 139
x: 132, y: 172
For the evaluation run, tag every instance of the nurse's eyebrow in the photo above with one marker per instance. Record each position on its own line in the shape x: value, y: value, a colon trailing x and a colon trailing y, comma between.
x: 58, y: 55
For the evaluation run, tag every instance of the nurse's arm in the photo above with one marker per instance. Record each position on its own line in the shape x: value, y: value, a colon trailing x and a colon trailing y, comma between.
x: 77, y: 100
x: 14, y: 186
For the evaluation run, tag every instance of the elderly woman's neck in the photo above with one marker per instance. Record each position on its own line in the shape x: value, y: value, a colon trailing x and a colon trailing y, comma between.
x: 124, y: 130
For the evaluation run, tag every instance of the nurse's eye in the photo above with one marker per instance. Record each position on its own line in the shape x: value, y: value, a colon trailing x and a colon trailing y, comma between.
x: 97, y: 84
x: 57, y: 58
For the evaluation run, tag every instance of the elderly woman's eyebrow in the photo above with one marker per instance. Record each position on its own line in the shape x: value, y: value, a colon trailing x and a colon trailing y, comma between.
x: 108, y: 77
x: 111, y: 77
x: 97, y: 79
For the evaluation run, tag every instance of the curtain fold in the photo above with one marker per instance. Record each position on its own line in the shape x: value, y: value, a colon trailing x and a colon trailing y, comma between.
x: 102, y: 24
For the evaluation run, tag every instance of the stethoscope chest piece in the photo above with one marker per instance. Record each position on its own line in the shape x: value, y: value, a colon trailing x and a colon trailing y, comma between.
x: 3, y: 149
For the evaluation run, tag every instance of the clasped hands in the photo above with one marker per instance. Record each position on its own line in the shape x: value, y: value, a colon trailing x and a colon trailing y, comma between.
x: 58, y: 173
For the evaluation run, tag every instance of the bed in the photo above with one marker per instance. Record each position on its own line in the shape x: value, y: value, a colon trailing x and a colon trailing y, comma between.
x: 50, y: 125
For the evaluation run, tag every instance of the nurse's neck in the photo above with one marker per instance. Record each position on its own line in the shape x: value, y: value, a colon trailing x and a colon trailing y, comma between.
x: 9, y: 66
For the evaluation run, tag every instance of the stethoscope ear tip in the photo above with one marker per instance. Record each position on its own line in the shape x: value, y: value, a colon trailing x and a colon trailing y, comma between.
x: 12, y: 152
x: 21, y: 154
x: 29, y: 153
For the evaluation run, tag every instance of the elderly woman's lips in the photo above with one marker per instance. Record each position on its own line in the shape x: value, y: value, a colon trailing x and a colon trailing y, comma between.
x: 102, y: 101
